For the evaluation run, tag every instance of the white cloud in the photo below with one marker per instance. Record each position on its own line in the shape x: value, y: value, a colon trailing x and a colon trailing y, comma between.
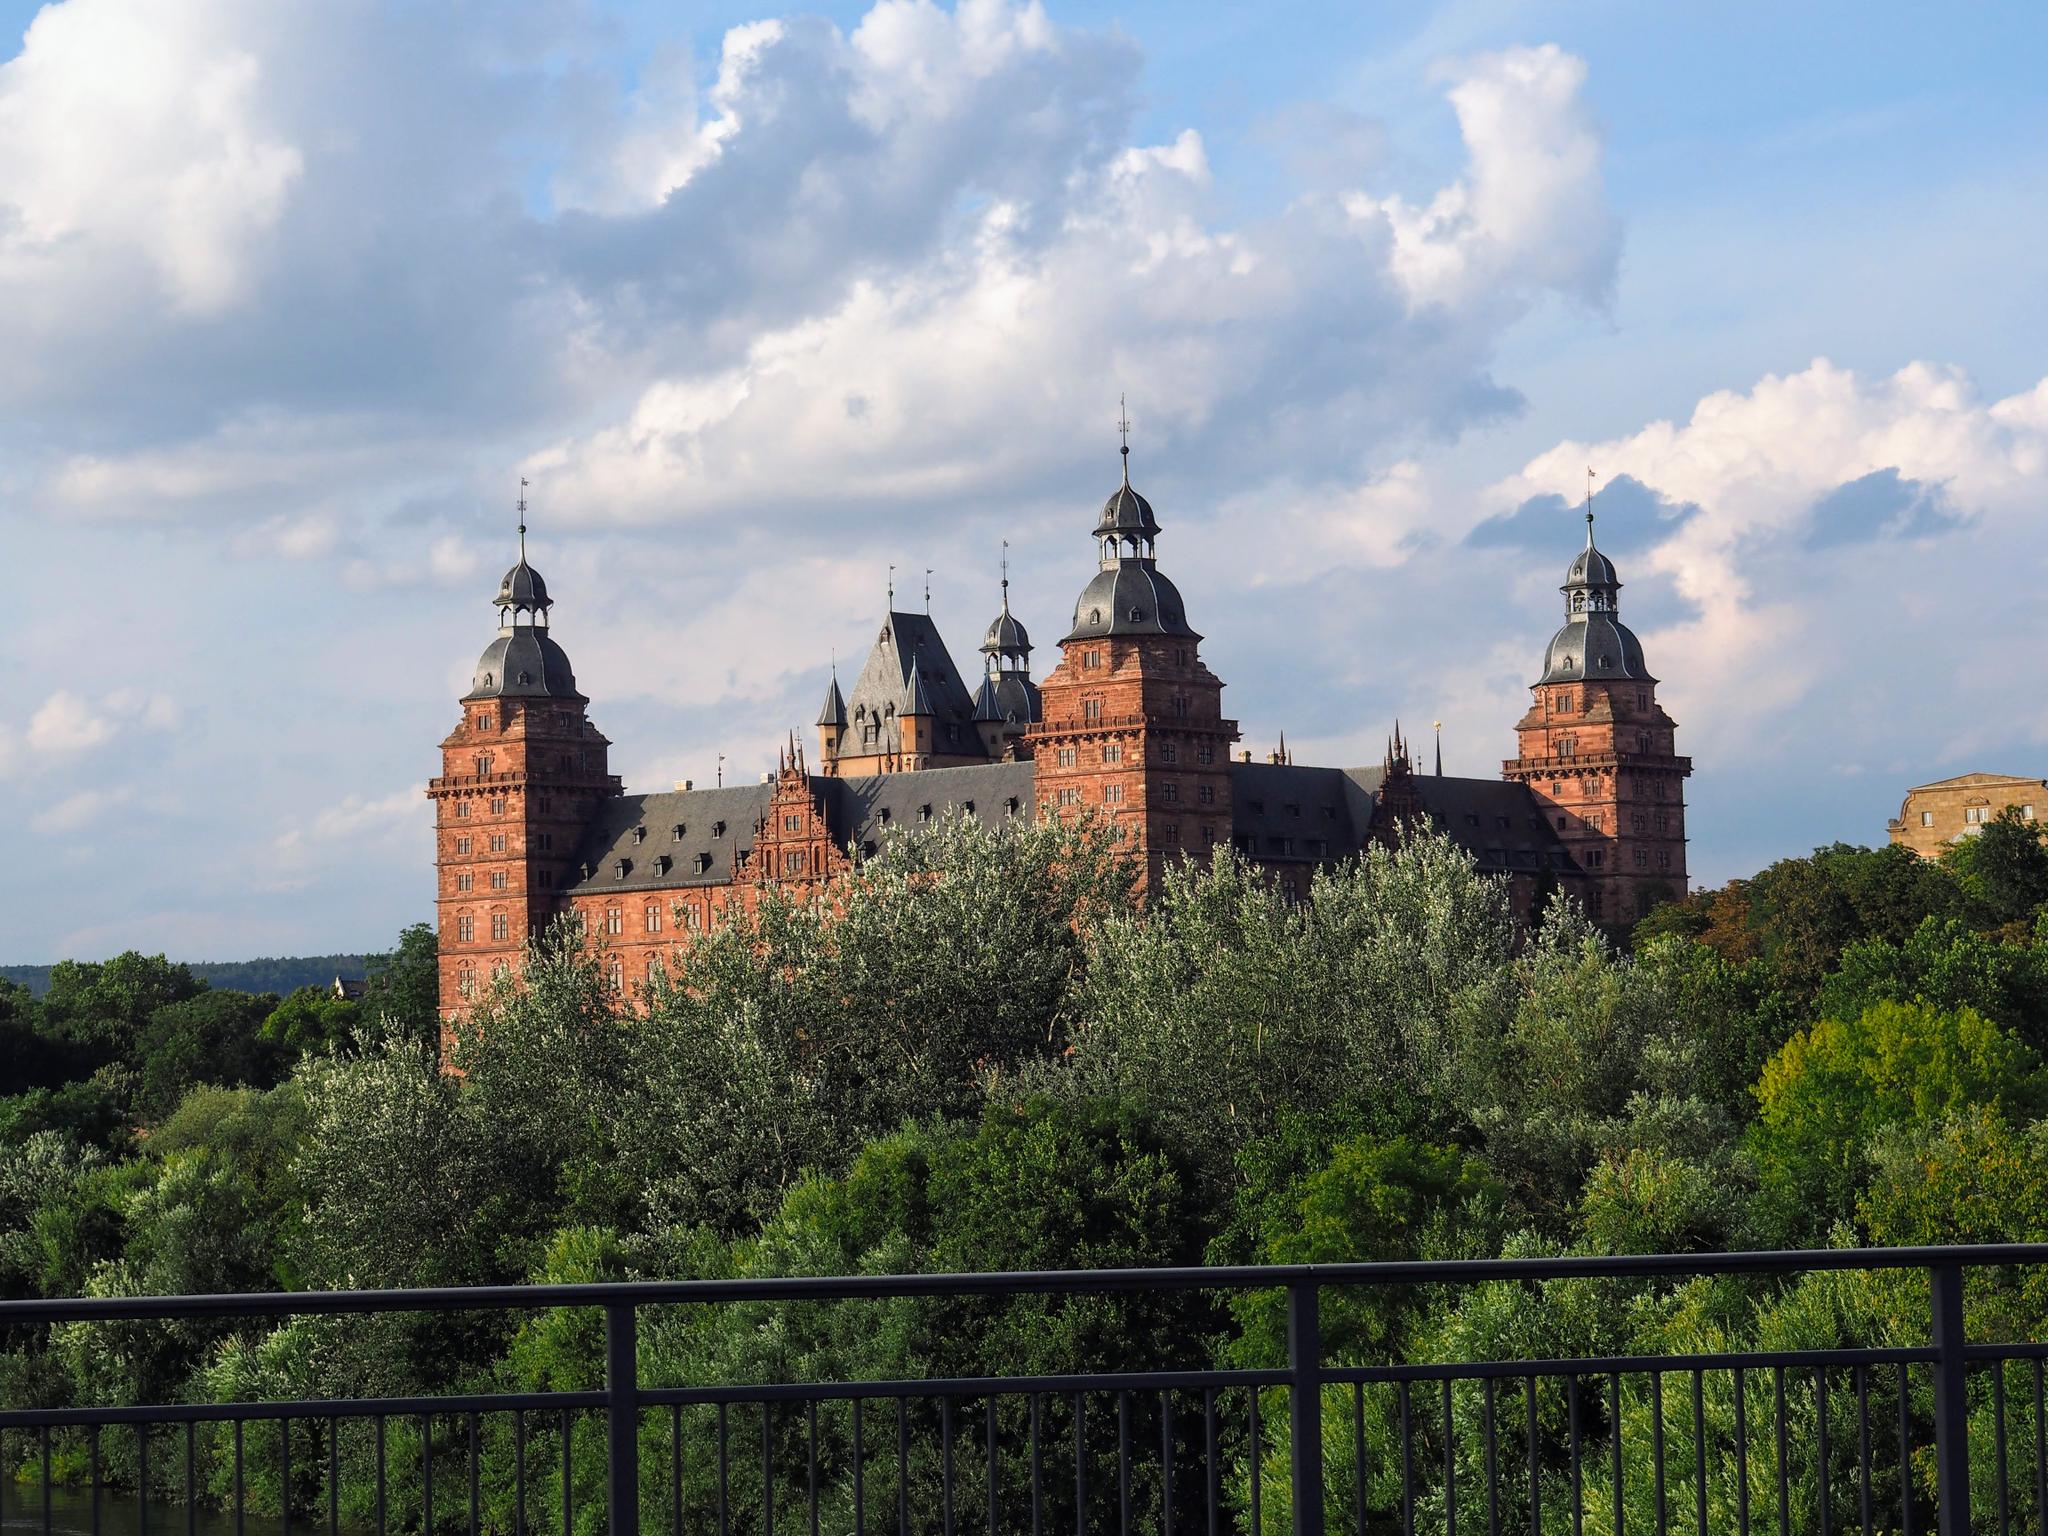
x: 75, y: 812
x: 65, y: 724
x: 355, y: 823
x: 989, y: 368
x: 1531, y: 211
x: 137, y: 133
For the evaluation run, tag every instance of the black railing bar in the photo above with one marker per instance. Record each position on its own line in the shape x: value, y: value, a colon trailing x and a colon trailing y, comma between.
x: 346, y: 1408
x: 1029, y: 1282
x: 962, y: 1386
x: 2017, y: 1351
x: 1603, y: 1365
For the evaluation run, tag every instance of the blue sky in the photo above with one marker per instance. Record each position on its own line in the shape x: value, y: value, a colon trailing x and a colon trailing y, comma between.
x: 764, y: 301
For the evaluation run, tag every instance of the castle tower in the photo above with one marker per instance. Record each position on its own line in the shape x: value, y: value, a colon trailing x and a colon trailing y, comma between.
x: 522, y: 776
x: 1007, y: 703
x: 831, y: 725
x: 1598, y: 751
x: 1131, y: 722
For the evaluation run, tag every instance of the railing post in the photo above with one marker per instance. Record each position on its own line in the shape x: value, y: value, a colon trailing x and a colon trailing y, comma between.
x: 1951, y: 1405
x: 1305, y: 1406
x: 622, y: 1418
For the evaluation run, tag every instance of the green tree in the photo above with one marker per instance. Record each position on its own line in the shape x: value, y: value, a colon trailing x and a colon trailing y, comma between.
x: 212, y: 1037
x: 1837, y: 1084
x: 2004, y: 868
x: 313, y: 1019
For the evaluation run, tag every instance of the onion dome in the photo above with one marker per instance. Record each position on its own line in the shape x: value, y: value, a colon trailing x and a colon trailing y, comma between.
x: 1006, y: 636
x: 1128, y: 595
x: 834, y: 712
x: 523, y: 589
x: 524, y: 662
x: 1593, y: 645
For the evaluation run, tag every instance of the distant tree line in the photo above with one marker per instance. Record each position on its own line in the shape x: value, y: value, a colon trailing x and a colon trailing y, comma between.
x: 280, y: 973
x: 979, y: 1053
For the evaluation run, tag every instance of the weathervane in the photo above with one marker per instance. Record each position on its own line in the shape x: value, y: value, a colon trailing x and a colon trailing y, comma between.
x: 927, y: 589
x: 892, y: 589
x: 1123, y: 429
x: 1589, y: 503
x: 522, y: 519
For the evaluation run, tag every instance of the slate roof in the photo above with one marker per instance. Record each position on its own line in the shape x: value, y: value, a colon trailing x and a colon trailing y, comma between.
x: 883, y: 691
x: 1305, y: 815
x: 1130, y: 597
x: 523, y: 663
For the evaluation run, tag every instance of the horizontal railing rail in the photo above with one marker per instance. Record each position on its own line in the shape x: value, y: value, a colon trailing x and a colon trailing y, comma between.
x: 1785, y: 1440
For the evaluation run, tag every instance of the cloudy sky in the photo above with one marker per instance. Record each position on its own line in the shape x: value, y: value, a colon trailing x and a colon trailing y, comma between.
x: 762, y: 302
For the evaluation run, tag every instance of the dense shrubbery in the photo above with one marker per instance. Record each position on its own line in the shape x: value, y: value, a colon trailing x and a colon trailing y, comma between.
x: 976, y: 1054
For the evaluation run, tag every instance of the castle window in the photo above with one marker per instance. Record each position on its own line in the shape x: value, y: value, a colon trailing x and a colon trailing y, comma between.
x: 497, y: 842
x: 967, y: 807
x: 1205, y: 753
x: 622, y: 868
x: 500, y: 970
x: 1168, y: 752
x: 462, y: 845
x: 2026, y: 813
x: 544, y: 806
x: 1180, y: 705
x: 545, y: 879
x: 1180, y: 656
x: 1973, y: 815
x: 1642, y: 858
x: 693, y: 916
x: 617, y: 976
x: 1927, y: 818
x: 1065, y: 757
x: 1169, y: 792
x: 703, y: 862
x: 792, y: 823
x: 544, y: 841
x: 868, y: 849
x: 639, y: 834
x: 1207, y: 794
x: 1091, y: 659
x: 501, y: 926
x: 653, y: 915
x: 1595, y: 858
x: 1564, y: 702
x: 663, y: 863
x: 1563, y: 822
x: 1663, y: 858
x: 718, y: 829
x: 1091, y: 710
x: 465, y: 882
x: 465, y: 930
x: 1112, y: 754
x: 1070, y: 797
x: 653, y: 969
x: 462, y: 810
x: 1319, y: 848
x: 1661, y: 822
x: 465, y: 981
x: 1638, y: 822
x: 676, y: 832
x: 1642, y: 699
x: 793, y: 861
x: 614, y: 920
x: 497, y: 805
x: 497, y: 879
x: 883, y: 815
x: 483, y: 763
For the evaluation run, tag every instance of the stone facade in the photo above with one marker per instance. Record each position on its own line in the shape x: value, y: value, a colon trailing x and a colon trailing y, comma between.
x: 1129, y: 724
x: 1935, y: 815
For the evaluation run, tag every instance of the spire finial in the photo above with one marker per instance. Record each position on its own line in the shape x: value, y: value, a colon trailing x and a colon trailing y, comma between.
x: 892, y: 589
x: 522, y: 519
x: 721, y: 770
x: 927, y: 589
x: 1006, y: 575
x: 1589, y: 508
x: 1123, y: 428
x: 1438, y: 727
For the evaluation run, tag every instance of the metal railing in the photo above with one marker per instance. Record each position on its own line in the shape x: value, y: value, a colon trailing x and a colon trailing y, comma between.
x: 1789, y: 1441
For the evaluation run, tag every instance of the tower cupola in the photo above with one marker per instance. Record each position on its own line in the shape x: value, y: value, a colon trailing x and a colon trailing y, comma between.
x: 524, y: 661
x: 1593, y: 644
x: 1128, y: 595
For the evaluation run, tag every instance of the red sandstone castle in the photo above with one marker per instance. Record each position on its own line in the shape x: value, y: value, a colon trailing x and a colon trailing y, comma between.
x: 1129, y: 723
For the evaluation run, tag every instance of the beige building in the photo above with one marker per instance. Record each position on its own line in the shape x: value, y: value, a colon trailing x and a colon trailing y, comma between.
x: 1935, y: 815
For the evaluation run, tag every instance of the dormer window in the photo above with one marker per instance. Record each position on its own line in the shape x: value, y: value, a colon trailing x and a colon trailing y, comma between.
x: 639, y: 835
x: 967, y: 806
x: 883, y: 815
x: 924, y: 813
x: 676, y: 834
x: 718, y: 829
x: 663, y: 863
x: 623, y: 868
x: 703, y: 862
x: 1012, y: 805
